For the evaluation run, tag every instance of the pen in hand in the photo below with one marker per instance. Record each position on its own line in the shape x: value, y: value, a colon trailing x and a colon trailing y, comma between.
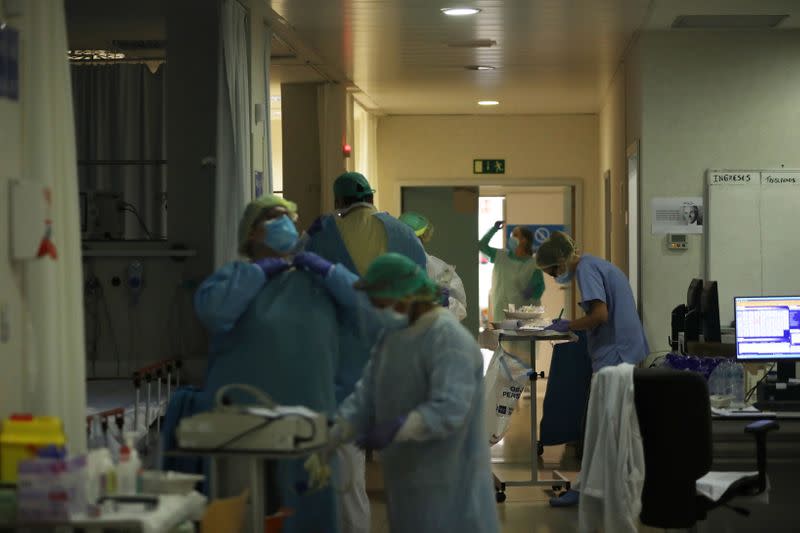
x: 560, y: 314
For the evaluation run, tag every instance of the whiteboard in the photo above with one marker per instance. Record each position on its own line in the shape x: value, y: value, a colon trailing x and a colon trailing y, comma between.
x: 780, y: 206
x: 734, y: 242
x: 749, y: 235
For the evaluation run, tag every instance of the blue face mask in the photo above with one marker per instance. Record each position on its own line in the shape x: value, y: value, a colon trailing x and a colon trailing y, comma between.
x: 393, y: 319
x: 566, y: 277
x: 513, y: 244
x: 281, y: 234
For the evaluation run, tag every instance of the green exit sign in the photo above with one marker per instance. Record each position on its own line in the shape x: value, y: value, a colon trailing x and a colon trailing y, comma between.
x: 489, y: 166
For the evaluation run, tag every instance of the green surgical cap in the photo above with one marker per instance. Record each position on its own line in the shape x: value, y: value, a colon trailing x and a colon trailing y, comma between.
x: 396, y: 277
x: 555, y: 250
x: 352, y: 185
x: 416, y: 222
x: 255, y: 210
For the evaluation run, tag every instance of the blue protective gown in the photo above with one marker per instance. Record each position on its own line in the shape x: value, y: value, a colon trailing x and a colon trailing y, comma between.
x: 622, y: 338
x: 328, y: 242
x: 284, y: 342
x: 444, y: 482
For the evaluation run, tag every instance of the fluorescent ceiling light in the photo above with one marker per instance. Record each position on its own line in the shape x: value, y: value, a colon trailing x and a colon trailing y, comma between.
x: 479, y: 67
x: 488, y: 102
x: 460, y: 11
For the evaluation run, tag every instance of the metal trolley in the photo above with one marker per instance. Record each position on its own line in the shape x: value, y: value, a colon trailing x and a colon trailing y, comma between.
x: 559, y: 480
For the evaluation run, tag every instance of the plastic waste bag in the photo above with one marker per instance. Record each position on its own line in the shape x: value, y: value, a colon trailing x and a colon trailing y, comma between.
x: 506, y: 378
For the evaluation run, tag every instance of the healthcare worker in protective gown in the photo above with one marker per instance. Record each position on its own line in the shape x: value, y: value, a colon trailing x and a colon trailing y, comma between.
x: 274, y: 326
x: 515, y: 279
x: 454, y: 297
x: 355, y: 236
x: 614, y: 330
x: 420, y: 401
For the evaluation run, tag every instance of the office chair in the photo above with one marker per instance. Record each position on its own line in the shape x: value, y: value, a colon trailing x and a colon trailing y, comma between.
x: 675, y: 421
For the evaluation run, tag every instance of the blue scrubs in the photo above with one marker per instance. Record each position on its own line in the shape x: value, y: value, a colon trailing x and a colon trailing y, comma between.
x: 328, y: 242
x: 285, y: 343
x: 621, y: 339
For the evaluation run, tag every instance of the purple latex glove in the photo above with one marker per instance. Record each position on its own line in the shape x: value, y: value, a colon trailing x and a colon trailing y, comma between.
x: 445, y: 300
x: 316, y: 226
x: 499, y: 224
x: 560, y: 325
x: 272, y: 266
x: 313, y: 263
x: 382, y: 435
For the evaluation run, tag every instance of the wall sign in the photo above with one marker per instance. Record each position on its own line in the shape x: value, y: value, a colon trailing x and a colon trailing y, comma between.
x: 541, y: 232
x: 488, y: 166
x: 677, y: 215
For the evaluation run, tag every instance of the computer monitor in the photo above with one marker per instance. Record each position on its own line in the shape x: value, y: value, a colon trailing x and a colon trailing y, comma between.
x: 709, y: 306
x: 692, y: 324
x: 768, y: 329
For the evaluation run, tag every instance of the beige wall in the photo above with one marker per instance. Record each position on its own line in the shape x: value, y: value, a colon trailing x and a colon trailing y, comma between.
x: 612, y: 158
x: 424, y: 149
x: 708, y: 100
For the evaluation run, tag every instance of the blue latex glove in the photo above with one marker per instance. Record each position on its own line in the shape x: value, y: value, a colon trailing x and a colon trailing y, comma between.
x: 313, y: 263
x: 445, y: 301
x: 272, y: 266
x: 560, y: 325
x: 382, y: 435
x: 528, y: 293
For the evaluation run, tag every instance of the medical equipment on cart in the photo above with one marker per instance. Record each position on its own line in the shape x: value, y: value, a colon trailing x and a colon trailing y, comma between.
x: 266, y: 428
x: 114, y: 410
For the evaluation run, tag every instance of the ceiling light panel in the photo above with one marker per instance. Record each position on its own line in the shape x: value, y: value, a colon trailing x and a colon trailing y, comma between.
x: 460, y: 11
x: 722, y: 22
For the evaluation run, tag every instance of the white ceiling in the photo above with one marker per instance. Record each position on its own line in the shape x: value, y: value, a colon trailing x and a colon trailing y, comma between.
x: 552, y: 56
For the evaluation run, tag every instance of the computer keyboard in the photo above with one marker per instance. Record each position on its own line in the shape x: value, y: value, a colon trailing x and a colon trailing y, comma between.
x: 779, y: 406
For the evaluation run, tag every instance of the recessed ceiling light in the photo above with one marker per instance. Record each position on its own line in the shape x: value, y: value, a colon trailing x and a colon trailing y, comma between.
x: 488, y: 102
x: 479, y: 67
x: 460, y: 11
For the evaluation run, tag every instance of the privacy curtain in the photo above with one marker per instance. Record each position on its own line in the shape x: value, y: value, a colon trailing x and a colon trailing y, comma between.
x: 120, y: 115
x: 234, y: 156
x: 55, y: 377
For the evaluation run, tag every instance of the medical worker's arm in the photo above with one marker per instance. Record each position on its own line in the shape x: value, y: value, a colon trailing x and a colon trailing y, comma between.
x: 357, y: 311
x: 225, y: 295
x: 536, y: 286
x: 358, y: 409
x: 458, y: 297
x: 597, y: 315
x: 452, y: 385
x: 483, y: 244
x: 593, y: 295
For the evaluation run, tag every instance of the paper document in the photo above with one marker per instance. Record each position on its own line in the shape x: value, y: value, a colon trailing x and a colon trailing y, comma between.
x: 714, y: 484
x: 745, y: 412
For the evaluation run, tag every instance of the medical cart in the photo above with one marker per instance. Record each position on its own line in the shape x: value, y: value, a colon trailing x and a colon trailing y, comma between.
x: 559, y: 480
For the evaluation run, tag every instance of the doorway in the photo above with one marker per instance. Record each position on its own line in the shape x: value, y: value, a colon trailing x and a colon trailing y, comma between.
x: 461, y: 215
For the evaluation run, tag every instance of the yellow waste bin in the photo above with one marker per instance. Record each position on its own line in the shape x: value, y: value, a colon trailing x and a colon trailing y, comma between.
x: 22, y: 436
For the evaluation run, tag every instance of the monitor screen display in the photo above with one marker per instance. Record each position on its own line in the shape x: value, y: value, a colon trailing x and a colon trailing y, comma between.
x: 767, y: 328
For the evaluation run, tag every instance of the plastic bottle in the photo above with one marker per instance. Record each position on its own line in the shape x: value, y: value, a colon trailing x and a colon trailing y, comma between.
x: 716, y: 381
x: 128, y: 469
x: 106, y: 473
x: 737, y: 381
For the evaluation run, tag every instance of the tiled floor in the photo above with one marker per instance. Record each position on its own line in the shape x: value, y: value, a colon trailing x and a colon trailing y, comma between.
x: 526, y: 508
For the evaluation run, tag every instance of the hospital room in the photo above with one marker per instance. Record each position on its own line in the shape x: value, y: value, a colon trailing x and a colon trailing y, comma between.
x: 395, y: 266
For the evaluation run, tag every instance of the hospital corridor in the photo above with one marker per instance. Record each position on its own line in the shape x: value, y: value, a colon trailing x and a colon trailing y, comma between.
x: 399, y: 266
